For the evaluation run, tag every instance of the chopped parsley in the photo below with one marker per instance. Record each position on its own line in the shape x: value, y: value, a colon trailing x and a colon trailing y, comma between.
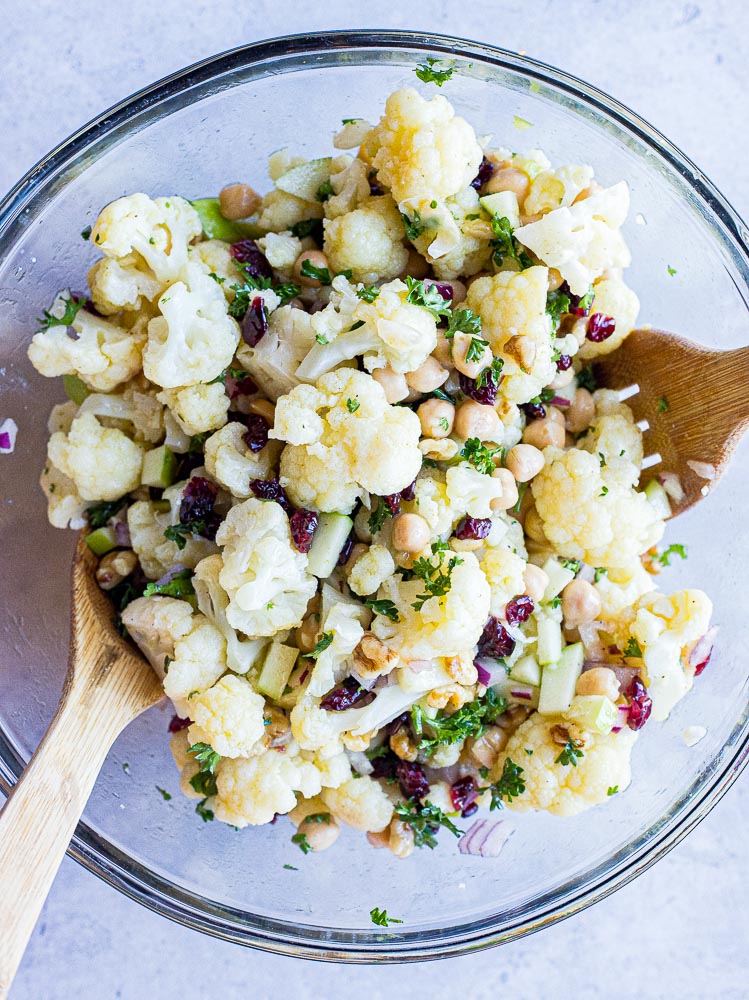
x: 613, y: 790
x: 219, y: 281
x: 435, y: 573
x: 179, y: 586
x: 86, y: 233
x: 246, y: 292
x: 374, y: 752
x: 570, y: 754
x: 521, y: 123
x: 556, y: 601
x: 521, y: 493
x: 385, y: 608
x: 324, y: 191
x: 321, y: 274
x: 301, y: 842
x: 291, y: 868
x: 426, y: 296
x: 100, y: 513
x: 203, y: 811
x: 671, y: 270
x: 441, y: 394
x: 493, y: 372
x: 381, y: 918
x: 434, y: 71
x: 321, y: 339
x: 425, y: 821
x: 586, y: 379
x: 179, y: 533
x: 664, y: 558
x: 286, y: 291
x: 472, y: 719
x: 480, y: 457
x: 73, y: 305
x: 379, y: 515
x: 573, y: 565
x: 505, y: 245
x: 508, y: 786
x: 444, y: 424
x: 164, y: 794
x: 308, y: 227
x: 599, y: 572
x: 633, y: 648
x: 368, y: 293
x: 463, y: 321
x: 230, y: 372
x: 476, y: 349
x: 206, y: 756
x: 602, y: 459
x: 557, y: 304
x: 352, y: 405
x: 322, y: 645
x: 604, y: 491
x: 350, y: 121
x: 318, y: 818
x: 663, y: 405
x: 414, y: 227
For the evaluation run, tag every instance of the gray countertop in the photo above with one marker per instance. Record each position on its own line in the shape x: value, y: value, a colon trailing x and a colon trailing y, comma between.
x: 682, y: 928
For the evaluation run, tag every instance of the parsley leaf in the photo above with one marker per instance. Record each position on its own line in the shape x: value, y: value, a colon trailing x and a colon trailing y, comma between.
x: 573, y: 565
x: 386, y: 608
x: 505, y: 245
x: 352, y: 405
x: 73, y: 305
x: 321, y: 274
x: 429, y: 71
x: 663, y: 405
x: 322, y: 645
x: 664, y: 558
x: 480, y: 457
x: 322, y: 817
x: 476, y: 349
x: 671, y: 270
x: 586, y: 379
x: 246, y: 292
x: 308, y: 227
x: 100, y: 513
x: 179, y: 533
x: 508, y: 786
x: 164, y: 794
x: 381, y: 918
x: 378, y: 516
x: 570, y: 754
x: 324, y: 191
x: 613, y: 790
x: 291, y: 868
x: 302, y: 843
x: 493, y: 373
x: 425, y: 821
x: 230, y: 372
x: 472, y: 719
x: 203, y: 811
x: 287, y: 291
x: 426, y: 296
x: 436, y: 575
x: 206, y: 756
x: 368, y: 293
x: 414, y: 227
x: 633, y: 648
x: 599, y: 572
x: 557, y: 304
x: 179, y: 586
x: 463, y: 321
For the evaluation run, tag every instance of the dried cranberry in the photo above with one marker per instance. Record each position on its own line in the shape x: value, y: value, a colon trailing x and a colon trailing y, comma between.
x: 346, y: 549
x: 536, y: 411
x: 563, y: 362
x: 600, y: 327
x: 394, y: 503
x: 464, y: 793
x: 256, y: 435
x: 255, y: 322
x: 410, y: 492
x: 303, y: 523
x: 575, y: 308
x: 412, y: 779
x: 397, y: 724
x: 242, y: 387
x: 198, y: 498
x: 640, y: 704
x: 486, y: 393
x: 519, y: 610
x: 375, y: 188
x: 384, y: 766
x: 349, y: 693
x: 177, y: 724
x: 255, y: 263
x: 495, y: 640
x: 470, y: 810
x: 486, y: 169
x: 270, y: 489
x: 473, y: 528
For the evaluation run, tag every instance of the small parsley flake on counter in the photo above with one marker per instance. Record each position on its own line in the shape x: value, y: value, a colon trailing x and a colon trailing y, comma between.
x: 430, y: 71
x: 164, y: 794
x: 509, y: 785
x: 381, y: 918
x: 663, y: 406
x: 664, y: 558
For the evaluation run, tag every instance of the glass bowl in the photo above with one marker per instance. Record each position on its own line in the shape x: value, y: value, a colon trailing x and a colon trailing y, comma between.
x: 218, y: 121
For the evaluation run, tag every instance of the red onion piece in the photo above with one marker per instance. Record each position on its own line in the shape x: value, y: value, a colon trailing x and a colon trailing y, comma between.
x: 122, y: 534
x: 521, y: 691
x: 8, y: 432
x: 624, y: 675
x: 560, y: 401
x: 703, y: 650
x: 174, y: 571
x: 486, y: 838
x: 484, y: 675
x: 495, y: 670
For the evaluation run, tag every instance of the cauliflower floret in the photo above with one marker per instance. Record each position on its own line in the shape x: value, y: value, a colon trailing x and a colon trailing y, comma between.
x: 667, y: 628
x: 512, y: 307
x: 371, y: 570
x: 264, y: 575
x: 424, y: 151
x: 229, y: 717
x: 472, y: 492
x: 564, y: 790
x: 582, y: 241
x: 65, y: 508
x: 332, y: 458
x: 612, y: 298
x: 279, y: 211
x: 504, y: 571
x: 241, y: 654
x: 444, y: 626
x: 620, y: 588
x: 344, y: 624
x: 350, y: 189
x: 199, y: 659
x: 360, y: 803
x: 276, y: 357
x: 614, y: 435
x: 157, y: 231
x: 367, y: 241
x: 253, y: 790
x: 98, y: 352
x: 214, y: 257
x: 556, y: 188
x: 461, y: 247
x: 115, y: 287
x: 197, y: 408
x: 155, y: 624
x: 194, y: 338
x: 433, y: 504
x: 281, y: 249
x: 103, y: 463
x: 134, y: 406
x: 233, y: 464
x: 156, y: 553
x: 593, y: 513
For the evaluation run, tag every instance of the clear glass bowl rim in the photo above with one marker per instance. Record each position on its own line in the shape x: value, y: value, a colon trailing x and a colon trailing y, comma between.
x: 303, y: 941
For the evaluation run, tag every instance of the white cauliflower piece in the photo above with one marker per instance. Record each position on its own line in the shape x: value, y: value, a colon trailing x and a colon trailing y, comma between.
x: 197, y: 408
x: 155, y: 624
x: 229, y: 717
x: 344, y: 624
x: 503, y: 570
x: 564, y: 790
x: 279, y: 211
x: 156, y: 553
x: 432, y: 502
x: 135, y: 406
x: 350, y: 189
x: 614, y: 435
x: 65, y: 508
x: 461, y: 247
x: 445, y: 626
x: 281, y: 250
x: 367, y: 241
x: 582, y: 241
x: 667, y: 628
x: 100, y: 353
x: 136, y: 228
x: 612, y: 298
x: 276, y: 357
x: 371, y: 570
x: 198, y: 661
x: 333, y: 456
x: 424, y: 151
x: 620, y: 588
x: 552, y: 189
x: 214, y: 257
x: 233, y: 465
x: 213, y: 601
x: 360, y: 803
x: 512, y: 305
x: 194, y: 338
x: 583, y: 508
x: 471, y: 491
x: 264, y: 575
x: 103, y: 463
x: 253, y: 790
x: 115, y: 287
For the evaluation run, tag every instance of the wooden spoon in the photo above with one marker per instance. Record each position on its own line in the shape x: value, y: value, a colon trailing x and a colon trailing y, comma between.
x: 695, y: 400
x: 108, y: 684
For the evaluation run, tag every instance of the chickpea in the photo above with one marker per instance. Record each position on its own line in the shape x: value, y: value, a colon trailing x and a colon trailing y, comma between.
x: 361, y: 525
x: 462, y: 346
x: 317, y: 258
x: 526, y: 220
x: 562, y: 378
x: 581, y: 412
x: 542, y: 433
x: 321, y: 835
x: 509, y: 490
x: 238, y: 201
x: 114, y: 567
x: 466, y: 544
x: 416, y: 266
x: 401, y: 840
x: 378, y: 838
x: 428, y: 376
x: 486, y: 748
x: 509, y: 179
x: 443, y: 352
x: 536, y: 581
x: 394, y: 384
x: 555, y: 279
x: 534, y: 526
x: 598, y: 680
x: 437, y: 417
x: 357, y: 551
x: 555, y: 414
x: 403, y: 746
x: 524, y: 461
x: 410, y: 532
x: 264, y: 408
x: 472, y: 420
x: 581, y: 603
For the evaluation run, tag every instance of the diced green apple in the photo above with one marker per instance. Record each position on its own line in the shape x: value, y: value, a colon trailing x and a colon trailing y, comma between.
x: 216, y: 227
x: 75, y: 388
x: 102, y: 540
x: 504, y: 204
x: 526, y: 670
x: 279, y: 662
x: 558, y: 576
x: 329, y: 538
x: 549, y: 644
x: 658, y: 498
x: 305, y: 180
x: 559, y: 679
x: 159, y: 467
x: 593, y: 711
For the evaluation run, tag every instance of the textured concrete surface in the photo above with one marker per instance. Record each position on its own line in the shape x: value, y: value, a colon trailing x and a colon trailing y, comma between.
x: 682, y: 928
